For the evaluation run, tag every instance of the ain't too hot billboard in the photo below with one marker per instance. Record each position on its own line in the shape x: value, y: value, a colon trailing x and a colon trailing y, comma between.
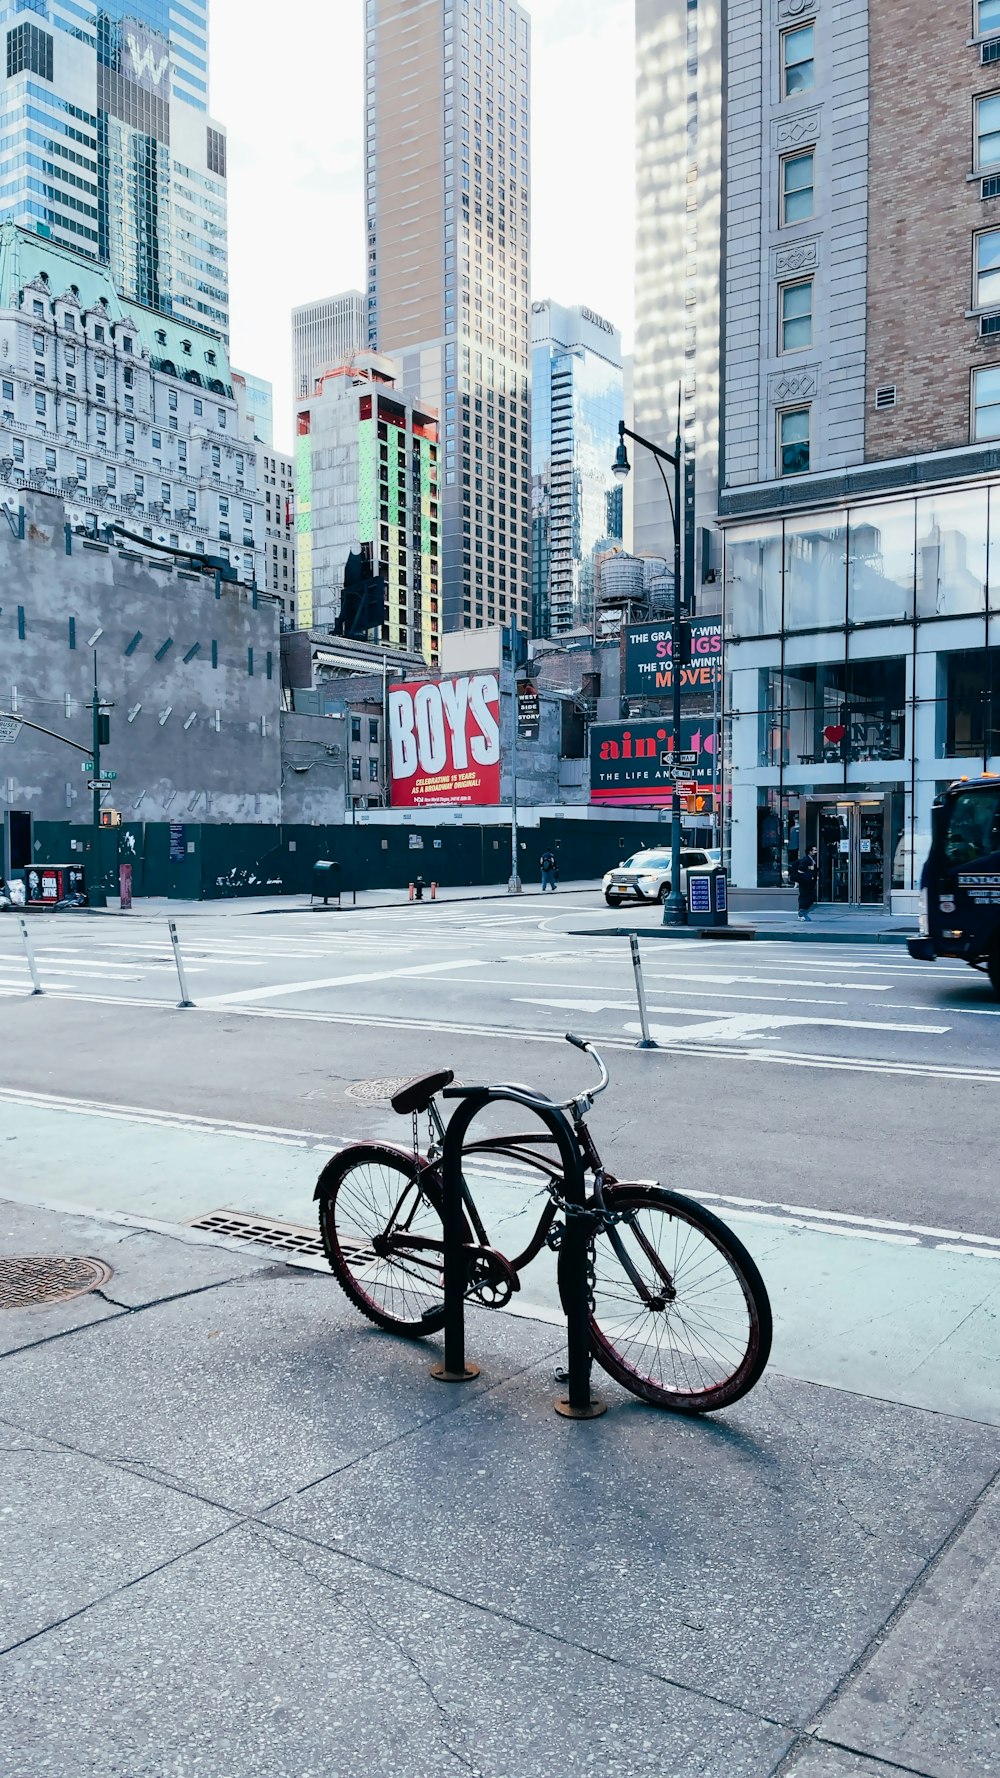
x: 444, y: 741
x: 630, y: 761
x: 648, y: 666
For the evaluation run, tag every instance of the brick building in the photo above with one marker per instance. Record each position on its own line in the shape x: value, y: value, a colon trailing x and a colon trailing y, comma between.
x: 819, y: 269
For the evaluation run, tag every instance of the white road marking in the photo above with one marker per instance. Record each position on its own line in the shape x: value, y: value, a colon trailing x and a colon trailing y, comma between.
x: 337, y: 981
x: 139, y: 1114
x: 742, y: 1024
x: 845, y: 1222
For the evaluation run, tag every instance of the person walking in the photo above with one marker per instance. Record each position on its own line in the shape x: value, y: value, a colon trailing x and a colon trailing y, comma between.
x: 550, y: 871
x: 805, y: 872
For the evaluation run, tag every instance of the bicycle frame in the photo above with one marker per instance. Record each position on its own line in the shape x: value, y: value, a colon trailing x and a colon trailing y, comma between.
x: 519, y: 1147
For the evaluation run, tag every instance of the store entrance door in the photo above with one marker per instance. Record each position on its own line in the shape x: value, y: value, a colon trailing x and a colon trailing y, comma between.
x: 851, y: 835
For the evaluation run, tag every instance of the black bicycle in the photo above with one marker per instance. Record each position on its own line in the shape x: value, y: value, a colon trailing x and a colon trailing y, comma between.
x: 679, y: 1313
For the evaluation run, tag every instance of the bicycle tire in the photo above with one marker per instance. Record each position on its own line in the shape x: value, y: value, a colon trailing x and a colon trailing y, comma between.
x: 359, y: 1192
x: 706, y: 1348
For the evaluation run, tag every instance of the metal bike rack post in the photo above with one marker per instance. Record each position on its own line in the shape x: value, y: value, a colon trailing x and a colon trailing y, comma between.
x: 185, y: 999
x: 30, y: 953
x: 578, y: 1403
x: 647, y: 1042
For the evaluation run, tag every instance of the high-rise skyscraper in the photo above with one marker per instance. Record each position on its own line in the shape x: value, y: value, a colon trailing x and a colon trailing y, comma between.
x: 325, y: 334
x: 447, y: 206
x: 106, y: 145
x: 836, y: 338
x: 577, y: 401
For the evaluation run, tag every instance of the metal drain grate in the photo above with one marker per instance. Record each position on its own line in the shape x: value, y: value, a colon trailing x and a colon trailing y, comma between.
x: 29, y: 1280
x: 288, y: 1237
x: 376, y: 1089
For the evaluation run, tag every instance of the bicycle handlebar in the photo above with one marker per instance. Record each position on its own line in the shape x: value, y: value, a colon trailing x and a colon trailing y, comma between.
x: 579, y: 1104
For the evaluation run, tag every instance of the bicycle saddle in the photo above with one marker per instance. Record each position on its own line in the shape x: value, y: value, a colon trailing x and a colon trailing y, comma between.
x: 417, y: 1094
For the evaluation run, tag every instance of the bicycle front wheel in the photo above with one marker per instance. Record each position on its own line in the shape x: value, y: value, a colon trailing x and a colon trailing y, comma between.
x: 374, y: 1201
x: 697, y: 1335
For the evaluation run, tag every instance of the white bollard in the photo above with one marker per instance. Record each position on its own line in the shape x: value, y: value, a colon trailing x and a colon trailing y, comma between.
x: 185, y: 999
x: 29, y: 949
x: 647, y: 1042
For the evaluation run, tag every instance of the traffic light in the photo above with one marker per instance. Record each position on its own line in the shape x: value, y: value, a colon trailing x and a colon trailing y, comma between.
x: 111, y: 817
x: 103, y: 728
x: 700, y: 804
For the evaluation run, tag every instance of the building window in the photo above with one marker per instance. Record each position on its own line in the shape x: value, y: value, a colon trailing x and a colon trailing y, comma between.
x: 986, y: 270
x: 793, y: 441
x: 797, y: 67
x: 198, y: 405
x: 986, y: 404
x: 355, y: 728
x: 29, y: 48
x: 795, y: 302
x: 216, y: 152
x: 373, y: 730
x: 39, y: 403
x: 987, y: 17
x: 988, y: 131
x: 356, y: 768
x: 797, y: 187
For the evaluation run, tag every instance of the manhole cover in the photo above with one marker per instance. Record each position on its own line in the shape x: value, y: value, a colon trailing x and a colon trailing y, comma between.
x: 27, y: 1280
x: 376, y: 1089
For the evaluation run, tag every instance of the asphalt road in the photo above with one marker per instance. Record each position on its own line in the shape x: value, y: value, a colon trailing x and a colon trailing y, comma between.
x: 840, y: 1076
x: 835, y: 1103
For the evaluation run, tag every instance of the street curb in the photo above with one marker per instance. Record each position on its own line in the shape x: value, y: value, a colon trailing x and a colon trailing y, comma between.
x: 139, y: 911
x: 730, y: 933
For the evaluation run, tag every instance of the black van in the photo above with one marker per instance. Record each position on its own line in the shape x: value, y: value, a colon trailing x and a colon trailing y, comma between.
x: 960, y: 885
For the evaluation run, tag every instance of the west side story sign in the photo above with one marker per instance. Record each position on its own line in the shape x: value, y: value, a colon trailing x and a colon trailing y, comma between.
x: 648, y: 664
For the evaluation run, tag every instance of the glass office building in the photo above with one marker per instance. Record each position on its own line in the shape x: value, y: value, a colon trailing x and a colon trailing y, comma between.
x: 863, y: 675
x: 107, y: 145
x: 577, y: 402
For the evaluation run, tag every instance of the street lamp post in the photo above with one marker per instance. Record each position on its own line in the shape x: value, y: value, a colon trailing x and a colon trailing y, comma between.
x: 675, y: 906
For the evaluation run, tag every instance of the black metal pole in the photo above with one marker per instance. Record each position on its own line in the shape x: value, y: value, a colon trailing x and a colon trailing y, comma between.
x: 454, y: 1369
x: 675, y: 907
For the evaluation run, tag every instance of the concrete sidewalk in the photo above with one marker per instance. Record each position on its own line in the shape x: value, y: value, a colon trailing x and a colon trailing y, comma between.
x: 245, y: 1535
x: 826, y: 925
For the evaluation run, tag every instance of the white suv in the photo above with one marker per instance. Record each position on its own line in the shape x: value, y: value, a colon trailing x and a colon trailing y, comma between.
x: 646, y: 876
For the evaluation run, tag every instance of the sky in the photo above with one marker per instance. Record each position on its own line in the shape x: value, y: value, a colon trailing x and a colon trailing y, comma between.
x: 295, y: 164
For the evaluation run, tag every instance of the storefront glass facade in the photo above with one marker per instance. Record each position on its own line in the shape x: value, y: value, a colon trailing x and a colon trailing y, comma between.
x: 862, y: 673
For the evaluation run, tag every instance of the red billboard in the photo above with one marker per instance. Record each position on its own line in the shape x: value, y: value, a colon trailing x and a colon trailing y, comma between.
x: 444, y: 741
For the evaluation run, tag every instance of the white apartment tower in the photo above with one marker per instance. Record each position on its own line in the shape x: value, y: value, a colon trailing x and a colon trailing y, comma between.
x: 448, y: 222
x: 325, y: 334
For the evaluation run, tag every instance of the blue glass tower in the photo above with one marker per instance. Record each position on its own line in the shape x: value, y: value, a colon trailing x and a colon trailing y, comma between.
x: 107, y: 145
x: 577, y: 402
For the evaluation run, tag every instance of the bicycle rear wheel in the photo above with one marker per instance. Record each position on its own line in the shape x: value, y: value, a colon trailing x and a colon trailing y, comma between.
x: 704, y: 1338
x: 371, y: 1199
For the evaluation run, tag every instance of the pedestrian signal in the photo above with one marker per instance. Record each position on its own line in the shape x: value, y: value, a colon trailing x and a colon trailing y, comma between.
x: 111, y: 817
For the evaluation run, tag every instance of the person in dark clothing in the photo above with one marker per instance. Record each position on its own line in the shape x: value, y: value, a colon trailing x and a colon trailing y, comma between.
x: 805, y: 872
x: 550, y: 871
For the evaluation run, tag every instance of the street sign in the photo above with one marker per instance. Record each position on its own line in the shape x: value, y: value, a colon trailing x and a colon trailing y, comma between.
x: 685, y: 786
x: 106, y: 777
x: 679, y: 762
x: 87, y: 766
x: 10, y: 728
x: 687, y: 759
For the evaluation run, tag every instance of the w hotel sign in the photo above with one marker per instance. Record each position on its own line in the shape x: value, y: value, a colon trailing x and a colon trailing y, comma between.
x: 134, y: 85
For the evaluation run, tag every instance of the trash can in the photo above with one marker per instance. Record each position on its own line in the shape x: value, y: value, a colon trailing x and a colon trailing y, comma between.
x: 326, y: 881
x: 707, y: 898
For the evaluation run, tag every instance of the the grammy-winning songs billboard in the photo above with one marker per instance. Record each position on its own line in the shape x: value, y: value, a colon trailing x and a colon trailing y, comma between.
x: 648, y: 666
x: 444, y: 741
x: 630, y: 762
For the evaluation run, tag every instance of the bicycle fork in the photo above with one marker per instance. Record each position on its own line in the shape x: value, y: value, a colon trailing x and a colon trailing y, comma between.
x: 668, y: 1294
